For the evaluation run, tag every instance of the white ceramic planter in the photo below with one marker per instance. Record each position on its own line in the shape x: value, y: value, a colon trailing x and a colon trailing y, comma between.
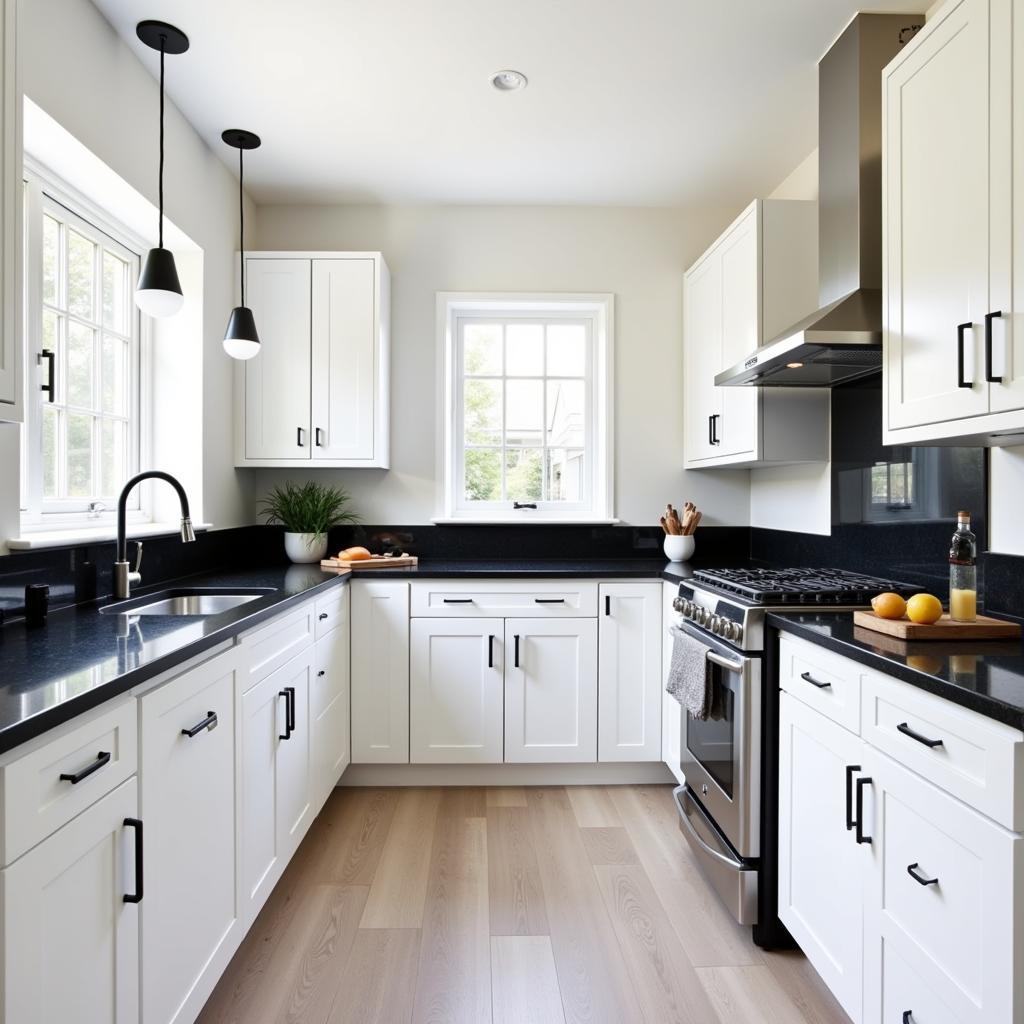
x: 678, y: 549
x: 305, y: 547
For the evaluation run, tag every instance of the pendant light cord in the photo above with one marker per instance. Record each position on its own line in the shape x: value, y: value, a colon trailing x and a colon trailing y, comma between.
x: 160, y: 187
x: 241, y: 222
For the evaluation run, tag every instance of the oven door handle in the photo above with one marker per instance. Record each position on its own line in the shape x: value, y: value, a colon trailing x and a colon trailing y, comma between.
x: 717, y: 659
x: 729, y: 862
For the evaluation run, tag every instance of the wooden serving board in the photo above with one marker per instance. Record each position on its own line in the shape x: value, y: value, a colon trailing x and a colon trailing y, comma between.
x: 985, y: 628
x: 373, y: 562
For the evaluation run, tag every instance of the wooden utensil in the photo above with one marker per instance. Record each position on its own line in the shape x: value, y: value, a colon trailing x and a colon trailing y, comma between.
x: 985, y: 628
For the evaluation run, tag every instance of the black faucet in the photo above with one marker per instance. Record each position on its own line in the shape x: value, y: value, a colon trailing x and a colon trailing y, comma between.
x: 124, y: 576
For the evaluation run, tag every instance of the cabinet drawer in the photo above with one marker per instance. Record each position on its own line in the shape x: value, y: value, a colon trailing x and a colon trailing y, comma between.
x: 331, y: 611
x: 976, y: 759
x: 903, y: 990
x: 521, y: 598
x: 37, y: 801
x: 827, y: 682
x: 270, y: 646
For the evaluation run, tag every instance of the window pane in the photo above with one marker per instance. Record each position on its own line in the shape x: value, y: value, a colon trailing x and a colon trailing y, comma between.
x: 567, y: 349
x: 482, y: 351
x: 50, y: 450
x: 566, y: 413
x: 483, y: 474
x: 51, y: 259
x: 565, y: 474
x: 80, y: 365
x: 524, y: 411
x: 113, y: 460
x: 523, y: 474
x: 81, y: 266
x: 524, y: 350
x: 115, y: 288
x: 482, y: 411
x: 115, y: 375
x: 79, y: 456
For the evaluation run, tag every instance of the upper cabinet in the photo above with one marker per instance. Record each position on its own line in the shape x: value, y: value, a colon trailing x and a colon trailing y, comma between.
x: 953, y: 161
x: 10, y: 215
x: 317, y: 392
x: 757, y: 279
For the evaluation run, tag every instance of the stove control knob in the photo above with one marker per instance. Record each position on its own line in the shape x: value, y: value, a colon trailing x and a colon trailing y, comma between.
x: 715, y: 624
x: 702, y: 616
x: 737, y: 632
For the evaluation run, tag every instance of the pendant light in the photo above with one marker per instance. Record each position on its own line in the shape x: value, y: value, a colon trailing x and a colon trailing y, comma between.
x: 158, y: 293
x: 240, y: 339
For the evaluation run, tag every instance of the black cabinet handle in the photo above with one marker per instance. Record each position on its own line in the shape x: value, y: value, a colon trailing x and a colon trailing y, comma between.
x: 859, y: 824
x: 961, y: 381
x: 322, y: 672
x: 850, y: 821
x: 549, y: 600
x: 524, y: 504
x: 50, y: 386
x: 711, y: 432
x: 322, y: 616
x: 808, y: 678
x: 908, y: 1017
x: 291, y: 708
x: 102, y: 758
x: 298, y: 437
x: 289, y: 724
x: 907, y: 731
x: 490, y: 651
x: 912, y: 870
x: 316, y: 437
x: 989, y: 317
x: 209, y: 723
x: 457, y: 600
x: 516, y: 660
x: 136, y: 823
x: 714, y: 429
x: 607, y: 604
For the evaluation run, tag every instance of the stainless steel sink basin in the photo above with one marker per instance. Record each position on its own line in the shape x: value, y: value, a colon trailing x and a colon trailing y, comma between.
x: 188, y: 601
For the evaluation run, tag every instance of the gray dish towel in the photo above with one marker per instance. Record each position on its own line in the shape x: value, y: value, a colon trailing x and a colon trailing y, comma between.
x: 688, y: 678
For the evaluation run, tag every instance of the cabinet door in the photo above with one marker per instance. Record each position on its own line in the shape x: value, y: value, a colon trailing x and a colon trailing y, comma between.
x: 10, y: 214
x: 550, y: 690
x: 275, y: 778
x: 277, y: 379
x: 72, y: 949
x: 190, y: 920
x: 938, y: 192
x: 380, y: 672
x: 344, y: 359
x: 456, y: 693
x: 329, y: 707
x: 702, y: 354
x: 671, y: 712
x: 821, y: 866
x: 629, y: 672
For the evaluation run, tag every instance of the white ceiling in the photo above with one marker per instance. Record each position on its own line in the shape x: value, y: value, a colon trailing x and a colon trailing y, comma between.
x: 648, y: 102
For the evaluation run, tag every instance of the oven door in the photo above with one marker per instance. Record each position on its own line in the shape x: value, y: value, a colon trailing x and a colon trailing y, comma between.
x: 721, y: 757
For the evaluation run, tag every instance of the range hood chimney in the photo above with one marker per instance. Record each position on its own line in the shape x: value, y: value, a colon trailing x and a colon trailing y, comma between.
x: 842, y: 341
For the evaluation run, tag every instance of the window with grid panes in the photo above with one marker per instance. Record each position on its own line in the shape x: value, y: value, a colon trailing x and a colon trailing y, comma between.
x: 82, y: 442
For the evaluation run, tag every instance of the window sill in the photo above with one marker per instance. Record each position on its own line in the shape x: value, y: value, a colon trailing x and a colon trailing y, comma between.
x: 524, y: 520
x: 33, y: 541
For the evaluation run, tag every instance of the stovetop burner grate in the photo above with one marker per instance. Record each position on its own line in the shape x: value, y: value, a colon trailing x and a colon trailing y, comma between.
x: 799, y: 586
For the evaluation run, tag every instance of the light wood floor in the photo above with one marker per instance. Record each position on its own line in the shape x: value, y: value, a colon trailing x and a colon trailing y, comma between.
x: 510, y: 906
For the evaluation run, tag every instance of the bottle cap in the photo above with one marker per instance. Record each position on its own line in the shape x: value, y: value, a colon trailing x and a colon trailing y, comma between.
x: 963, y: 517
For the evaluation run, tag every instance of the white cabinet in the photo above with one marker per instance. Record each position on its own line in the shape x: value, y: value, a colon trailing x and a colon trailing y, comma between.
x: 820, y: 861
x: 550, y: 690
x: 671, y: 710
x: 317, y: 391
x: 757, y: 279
x: 380, y: 672
x: 11, y: 342
x: 629, y: 672
x: 71, y: 949
x: 329, y: 701
x: 274, y: 781
x: 953, y: 234
x: 190, y: 920
x: 456, y: 691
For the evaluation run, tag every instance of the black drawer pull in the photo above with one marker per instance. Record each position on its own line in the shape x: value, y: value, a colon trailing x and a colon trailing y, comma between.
x: 102, y: 758
x: 490, y: 650
x: 607, y: 604
x: 317, y: 434
x: 850, y: 820
x: 989, y: 376
x: 961, y: 380
x: 516, y: 661
x: 808, y: 678
x: 289, y: 712
x: 549, y: 600
x: 209, y: 723
x: 908, y: 1017
x: 322, y: 672
x: 136, y: 823
x: 907, y: 731
x: 918, y: 877
x: 859, y: 826
x: 457, y: 600
x: 322, y: 616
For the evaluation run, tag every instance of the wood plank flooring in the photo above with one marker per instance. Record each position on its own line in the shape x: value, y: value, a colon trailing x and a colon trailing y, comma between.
x: 548, y: 905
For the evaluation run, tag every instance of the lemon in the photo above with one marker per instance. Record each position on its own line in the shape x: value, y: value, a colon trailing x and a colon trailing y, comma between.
x: 924, y: 609
x: 889, y: 606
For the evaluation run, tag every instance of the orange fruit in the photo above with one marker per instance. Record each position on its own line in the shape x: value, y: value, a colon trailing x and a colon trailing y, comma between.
x: 924, y: 609
x: 889, y: 606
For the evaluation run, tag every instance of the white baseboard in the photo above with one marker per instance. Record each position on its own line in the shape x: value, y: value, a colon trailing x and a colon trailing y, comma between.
x: 624, y: 774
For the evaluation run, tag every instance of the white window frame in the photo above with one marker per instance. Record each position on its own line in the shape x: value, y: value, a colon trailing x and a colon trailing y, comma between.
x: 43, y: 190
x: 597, y: 313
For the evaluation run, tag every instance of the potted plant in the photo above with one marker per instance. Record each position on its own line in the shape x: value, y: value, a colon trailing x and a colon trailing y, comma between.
x: 307, y: 511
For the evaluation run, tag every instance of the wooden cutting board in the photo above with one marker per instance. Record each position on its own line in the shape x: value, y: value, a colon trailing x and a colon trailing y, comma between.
x: 985, y: 628
x: 373, y: 562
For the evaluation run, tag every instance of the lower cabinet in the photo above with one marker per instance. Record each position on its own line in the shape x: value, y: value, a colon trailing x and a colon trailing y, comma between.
x: 190, y: 919
x: 329, y: 697
x: 456, y: 706
x: 71, y: 949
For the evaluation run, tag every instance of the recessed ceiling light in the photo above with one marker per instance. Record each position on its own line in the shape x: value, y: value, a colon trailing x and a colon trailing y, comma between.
x: 794, y: 366
x: 508, y: 80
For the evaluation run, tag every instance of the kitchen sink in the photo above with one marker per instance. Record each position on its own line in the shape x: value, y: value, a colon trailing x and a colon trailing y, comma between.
x: 192, y: 601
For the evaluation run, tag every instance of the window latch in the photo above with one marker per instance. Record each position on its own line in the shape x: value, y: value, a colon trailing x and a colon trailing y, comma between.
x: 524, y: 504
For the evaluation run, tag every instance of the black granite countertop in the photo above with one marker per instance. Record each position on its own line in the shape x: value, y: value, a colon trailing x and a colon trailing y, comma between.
x: 535, y: 568
x: 986, y: 676
x: 82, y: 658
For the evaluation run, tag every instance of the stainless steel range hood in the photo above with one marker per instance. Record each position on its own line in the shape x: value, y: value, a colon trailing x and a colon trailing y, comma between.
x: 842, y: 341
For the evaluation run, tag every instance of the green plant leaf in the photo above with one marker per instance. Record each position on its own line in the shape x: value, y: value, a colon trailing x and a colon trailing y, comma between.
x: 307, y: 508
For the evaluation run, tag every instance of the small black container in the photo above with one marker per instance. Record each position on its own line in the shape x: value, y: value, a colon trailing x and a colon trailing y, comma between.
x: 37, y: 604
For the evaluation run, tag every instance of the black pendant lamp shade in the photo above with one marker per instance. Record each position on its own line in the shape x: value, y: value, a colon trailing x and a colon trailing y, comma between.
x: 240, y: 339
x: 158, y: 292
